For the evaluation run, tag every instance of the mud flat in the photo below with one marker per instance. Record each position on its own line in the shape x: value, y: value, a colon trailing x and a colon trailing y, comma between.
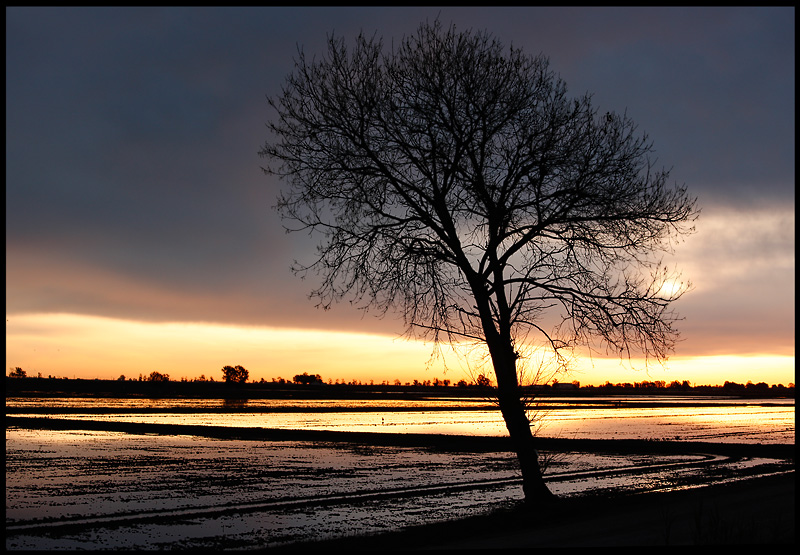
x: 755, y: 511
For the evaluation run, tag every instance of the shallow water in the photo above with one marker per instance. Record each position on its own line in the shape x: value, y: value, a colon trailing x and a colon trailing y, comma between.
x: 717, y: 420
x: 135, y: 491
x: 113, y: 490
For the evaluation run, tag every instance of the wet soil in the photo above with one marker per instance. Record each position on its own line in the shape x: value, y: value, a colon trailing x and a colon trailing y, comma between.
x: 756, y: 511
x: 149, y: 486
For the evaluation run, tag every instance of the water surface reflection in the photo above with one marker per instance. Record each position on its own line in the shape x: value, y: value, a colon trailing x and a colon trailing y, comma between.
x: 684, y: 419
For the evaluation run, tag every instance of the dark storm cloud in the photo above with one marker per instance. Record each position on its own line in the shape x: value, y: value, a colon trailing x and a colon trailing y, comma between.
x: 717, y: 98
x: 714, y: 88
x: 133, y: 184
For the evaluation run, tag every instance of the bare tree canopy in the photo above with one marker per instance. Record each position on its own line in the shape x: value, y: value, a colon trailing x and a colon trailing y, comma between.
x: 453, y: 179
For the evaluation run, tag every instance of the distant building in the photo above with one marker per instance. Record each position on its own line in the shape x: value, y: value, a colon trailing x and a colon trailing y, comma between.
x: 566, y: 386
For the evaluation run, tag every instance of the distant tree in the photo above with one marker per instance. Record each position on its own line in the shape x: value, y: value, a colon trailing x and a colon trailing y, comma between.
x: 121, y: 378
x: 760, y: 387
x: 733, y: 386
x: 158, y: 377
x: 483, y: 381
x: 306, y: 378
x: 235, y: 374
x: 18, y: 373
x: 453, y: 179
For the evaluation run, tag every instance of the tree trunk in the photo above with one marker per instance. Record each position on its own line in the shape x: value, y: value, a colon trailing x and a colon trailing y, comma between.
x: 504, y: 359
x: 522, y: 439
x: 519, y: 428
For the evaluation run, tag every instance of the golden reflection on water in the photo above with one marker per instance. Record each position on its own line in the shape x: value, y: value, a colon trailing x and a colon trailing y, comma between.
x: 200, y: 404
x: 600, y: 418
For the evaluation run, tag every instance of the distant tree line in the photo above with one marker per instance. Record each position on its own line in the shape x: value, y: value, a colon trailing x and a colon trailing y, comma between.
x: 728, y: 388
x: 239, y: 375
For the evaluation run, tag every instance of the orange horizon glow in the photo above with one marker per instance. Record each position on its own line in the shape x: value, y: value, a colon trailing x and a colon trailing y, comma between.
x: 89, y: 347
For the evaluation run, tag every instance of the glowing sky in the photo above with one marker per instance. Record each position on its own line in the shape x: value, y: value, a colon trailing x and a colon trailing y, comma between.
x: 139, y: 228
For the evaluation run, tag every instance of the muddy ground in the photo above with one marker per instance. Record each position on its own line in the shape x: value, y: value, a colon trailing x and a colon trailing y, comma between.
x: 128, y: 486
x: 748, y: 512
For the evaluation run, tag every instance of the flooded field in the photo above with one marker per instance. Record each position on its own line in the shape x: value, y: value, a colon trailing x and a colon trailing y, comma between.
x: 80, y: 489
x: 680, y: 419
x: 110, y: 490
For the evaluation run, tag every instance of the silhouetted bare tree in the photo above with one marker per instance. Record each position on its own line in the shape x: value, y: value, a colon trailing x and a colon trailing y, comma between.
x: 453, y: 179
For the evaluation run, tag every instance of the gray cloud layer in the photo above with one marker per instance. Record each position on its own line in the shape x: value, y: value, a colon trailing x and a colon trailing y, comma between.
x: 134, y: 188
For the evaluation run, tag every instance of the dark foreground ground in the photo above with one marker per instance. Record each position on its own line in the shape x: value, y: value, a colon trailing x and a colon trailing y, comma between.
x: 755, y: 511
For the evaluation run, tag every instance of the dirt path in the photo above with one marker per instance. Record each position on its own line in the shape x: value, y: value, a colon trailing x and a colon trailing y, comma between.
x: 756, y: 511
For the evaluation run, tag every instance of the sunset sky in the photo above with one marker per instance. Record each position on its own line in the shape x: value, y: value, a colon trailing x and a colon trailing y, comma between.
x: 140, y: 234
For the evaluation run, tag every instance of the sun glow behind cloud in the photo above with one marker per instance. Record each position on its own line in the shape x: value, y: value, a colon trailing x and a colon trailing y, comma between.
x: 67, y: 345
x: 670, y: 288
